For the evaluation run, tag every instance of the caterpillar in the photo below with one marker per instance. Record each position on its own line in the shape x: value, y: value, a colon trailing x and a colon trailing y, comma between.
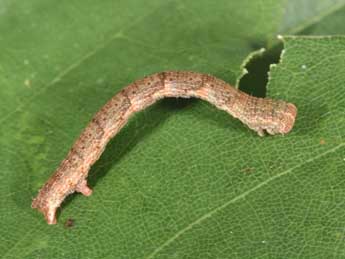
x: 259, y: 114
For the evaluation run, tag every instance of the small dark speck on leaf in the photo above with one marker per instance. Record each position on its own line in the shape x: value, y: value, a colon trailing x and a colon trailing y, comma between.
x: 247, y: 170
x: 69, y: 223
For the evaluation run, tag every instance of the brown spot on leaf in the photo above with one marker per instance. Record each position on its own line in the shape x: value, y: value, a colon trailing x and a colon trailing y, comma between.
x: 69, y: 223
x: 247, y: 170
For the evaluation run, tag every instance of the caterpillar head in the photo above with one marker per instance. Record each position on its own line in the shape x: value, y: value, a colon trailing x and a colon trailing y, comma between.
x: 284, y: 119
x: 277, y: 117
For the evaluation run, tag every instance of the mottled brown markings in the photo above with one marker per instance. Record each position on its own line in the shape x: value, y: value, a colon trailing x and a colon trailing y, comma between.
x: 145, y: 90
x: 91, y: 136
x: 113, y: 111
x: 255, y: 105
x: 257, y: 113
x: 227, y: 99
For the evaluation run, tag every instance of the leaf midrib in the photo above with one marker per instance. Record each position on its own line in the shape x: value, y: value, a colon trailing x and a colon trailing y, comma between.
x: 315, y: 19
x: 235, y: 199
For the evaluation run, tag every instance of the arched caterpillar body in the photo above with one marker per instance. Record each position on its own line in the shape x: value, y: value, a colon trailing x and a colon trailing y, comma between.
x: 273, y: 116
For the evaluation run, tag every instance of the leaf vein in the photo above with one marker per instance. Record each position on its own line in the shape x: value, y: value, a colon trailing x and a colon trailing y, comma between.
x: 235, y: 199
x: 76, y: 64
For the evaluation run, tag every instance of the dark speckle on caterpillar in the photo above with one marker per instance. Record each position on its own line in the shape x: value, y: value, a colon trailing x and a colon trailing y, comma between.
x: 272, y: 116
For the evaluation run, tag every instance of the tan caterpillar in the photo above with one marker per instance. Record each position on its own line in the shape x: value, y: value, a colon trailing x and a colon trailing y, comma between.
x: 272, y: 116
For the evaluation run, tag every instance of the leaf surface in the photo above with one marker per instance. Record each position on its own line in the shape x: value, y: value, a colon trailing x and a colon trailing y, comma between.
x: 182, y: 179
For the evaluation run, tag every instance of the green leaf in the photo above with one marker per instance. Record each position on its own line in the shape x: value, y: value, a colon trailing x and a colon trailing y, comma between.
x: 182, y: 179
x: 302, y: 14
